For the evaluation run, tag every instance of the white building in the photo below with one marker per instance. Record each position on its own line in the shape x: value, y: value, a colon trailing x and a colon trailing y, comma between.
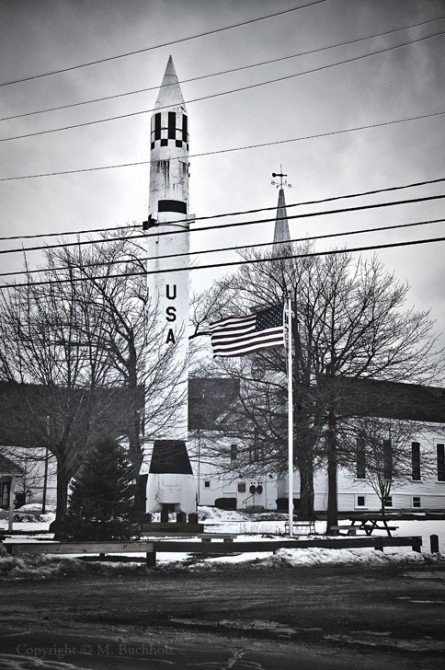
x: 249, y: 487
x: 35, y: 476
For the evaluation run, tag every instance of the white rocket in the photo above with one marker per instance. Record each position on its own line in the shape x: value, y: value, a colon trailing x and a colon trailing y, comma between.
x: 170, y: 483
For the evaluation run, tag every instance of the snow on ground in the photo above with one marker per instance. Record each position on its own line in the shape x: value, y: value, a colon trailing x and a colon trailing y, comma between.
x: 258, y: 527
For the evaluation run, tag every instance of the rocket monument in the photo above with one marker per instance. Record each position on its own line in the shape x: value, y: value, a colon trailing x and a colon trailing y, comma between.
x: 170, y: 482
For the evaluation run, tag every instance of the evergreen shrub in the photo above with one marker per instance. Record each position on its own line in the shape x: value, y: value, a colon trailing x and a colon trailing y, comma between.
x: 101, y: 503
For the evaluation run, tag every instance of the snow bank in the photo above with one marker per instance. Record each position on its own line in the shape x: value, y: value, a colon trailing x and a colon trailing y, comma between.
x: 43, y: 566
x: 207, y: 513
x: 29, y: 517
x: 246, y: 526
x: 365, y: 556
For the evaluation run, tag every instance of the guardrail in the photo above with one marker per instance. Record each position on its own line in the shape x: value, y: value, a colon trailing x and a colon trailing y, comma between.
x: 150, y: 548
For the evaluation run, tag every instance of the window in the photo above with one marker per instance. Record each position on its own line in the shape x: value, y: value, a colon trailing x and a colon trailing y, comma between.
x: 387, y: 459
x: 241, y: 487
x: 416, y: 502
x: 256, y: 448
x: 360, y: 501
x: 207, y: 484
x: 361, y: 464
x: 233, y: 452
x: 440, y: 463
x: 415, y: 460
x: 5, y: 488
x: 387, y: 501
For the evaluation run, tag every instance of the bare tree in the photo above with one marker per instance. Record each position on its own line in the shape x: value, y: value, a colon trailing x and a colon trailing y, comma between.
x: 41, y: 345
x: 350, y: 321
x: 130, y: 335
x: 82, y: 333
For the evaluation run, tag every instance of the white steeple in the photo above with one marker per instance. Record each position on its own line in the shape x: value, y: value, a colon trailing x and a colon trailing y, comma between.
x: 281, y: 233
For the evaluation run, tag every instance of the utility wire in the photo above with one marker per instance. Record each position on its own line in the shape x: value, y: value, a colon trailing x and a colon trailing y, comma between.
x: 158, y: 46
x: 233, y: 149
x: 229, y: 225
x: 222, y: 72
x: 220, y: 94
x: 69, y: 232
x: 427, y: 182
x: 331, y: 252
x: 200, y: 252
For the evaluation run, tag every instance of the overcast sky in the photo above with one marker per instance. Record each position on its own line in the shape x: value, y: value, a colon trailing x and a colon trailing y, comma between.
x: 41, y: 36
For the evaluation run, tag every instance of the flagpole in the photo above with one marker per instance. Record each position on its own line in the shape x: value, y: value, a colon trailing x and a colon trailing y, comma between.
x: 290, y: 416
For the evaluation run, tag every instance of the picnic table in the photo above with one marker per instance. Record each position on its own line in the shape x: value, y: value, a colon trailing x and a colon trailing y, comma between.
x: 368, y: 524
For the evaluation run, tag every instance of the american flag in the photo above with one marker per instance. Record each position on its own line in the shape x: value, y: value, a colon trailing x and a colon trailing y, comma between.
x: 237, y: 336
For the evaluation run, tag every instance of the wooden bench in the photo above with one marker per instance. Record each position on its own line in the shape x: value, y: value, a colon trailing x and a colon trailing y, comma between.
x: 171, y: 528
x: 302, y: 526
x: 225, y: 537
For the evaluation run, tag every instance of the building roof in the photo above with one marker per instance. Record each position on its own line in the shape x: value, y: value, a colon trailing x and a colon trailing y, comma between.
x: 389, y: 400
x: 24, y: 408
x: 209, y: 398
x: 8, y: 467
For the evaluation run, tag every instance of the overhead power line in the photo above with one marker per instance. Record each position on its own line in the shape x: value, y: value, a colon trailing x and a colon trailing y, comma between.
x: 159, y: 46
x: 331, y: 252
x: 330, y: 133
x: 345, y: 196
x: 343, y: 210
x: 218, y: 95
x: 200, y: 252
x: 222, y: 72
x: 68, y: 232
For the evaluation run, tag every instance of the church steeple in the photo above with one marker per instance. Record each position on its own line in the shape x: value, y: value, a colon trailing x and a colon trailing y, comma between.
x: 281, y: 232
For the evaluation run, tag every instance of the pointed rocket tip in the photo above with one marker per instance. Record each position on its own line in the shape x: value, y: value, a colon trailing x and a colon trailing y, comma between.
x: 170, y: 93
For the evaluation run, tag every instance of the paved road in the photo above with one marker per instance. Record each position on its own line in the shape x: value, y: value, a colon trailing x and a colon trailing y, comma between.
x: 34, y: 649
x: 326, y: 618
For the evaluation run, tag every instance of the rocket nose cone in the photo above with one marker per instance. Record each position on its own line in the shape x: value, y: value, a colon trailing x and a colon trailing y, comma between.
x: 170, y: 94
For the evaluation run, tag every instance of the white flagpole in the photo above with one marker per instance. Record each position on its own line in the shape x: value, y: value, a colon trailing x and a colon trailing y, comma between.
x: 290, y: 416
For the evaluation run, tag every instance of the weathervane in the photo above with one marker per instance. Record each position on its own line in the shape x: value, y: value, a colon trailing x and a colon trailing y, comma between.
x: 282, y: 178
